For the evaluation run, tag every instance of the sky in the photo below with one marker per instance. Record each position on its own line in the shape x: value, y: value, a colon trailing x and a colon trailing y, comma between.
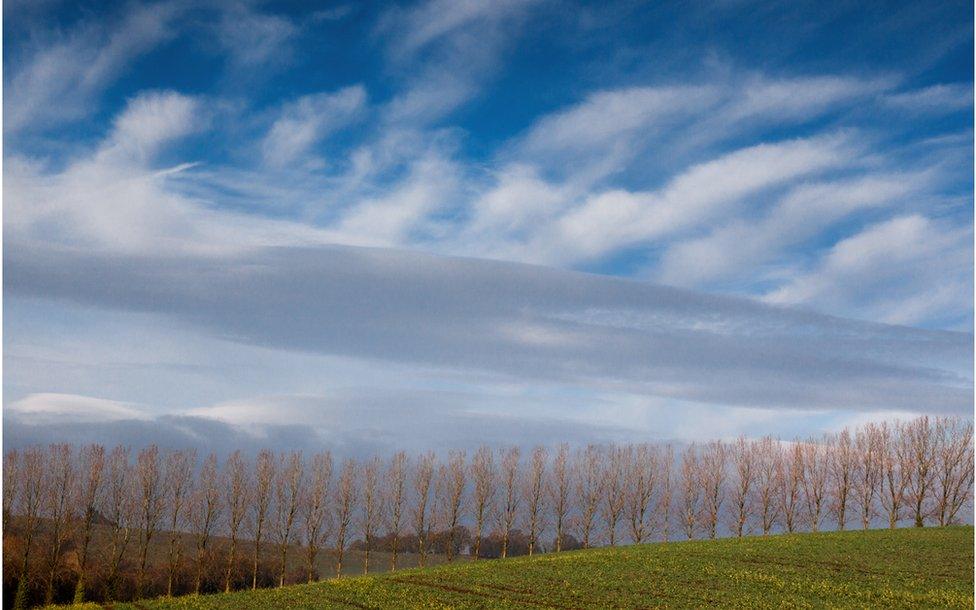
x: 451, y: 222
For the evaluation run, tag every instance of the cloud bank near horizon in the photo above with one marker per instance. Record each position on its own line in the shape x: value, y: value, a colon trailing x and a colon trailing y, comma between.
x: 495, y: 351
x: 523, y: 322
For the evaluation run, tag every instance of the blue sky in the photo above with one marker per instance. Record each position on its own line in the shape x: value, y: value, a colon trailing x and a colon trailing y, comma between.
x: 541, y: 220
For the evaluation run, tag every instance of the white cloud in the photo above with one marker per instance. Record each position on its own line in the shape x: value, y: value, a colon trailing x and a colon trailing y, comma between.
x: 254, y: 40
x: 431, y: 95
x: 443, y: 52
x: 48, y: 408
x: 114, y: 200
x: 902, y: 270
x: 307, y: 120
x: 61, y: 80
x: 617, y: 219
x: 605, y: 117
x: 519, y: 200
x: 254, y: 414
x: 333, y: 14
x: 150, y: 120
x: 856, y: 420
x: 434, y: 20
x: 430, y: 185
x: 942, y: 98
x: 798, y: 98
x: 735, y: 249
x: 502, y: 220
x: 619, y: 129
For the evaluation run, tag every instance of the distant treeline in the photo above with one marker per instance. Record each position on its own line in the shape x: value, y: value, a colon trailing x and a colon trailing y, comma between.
x: 92, y: 523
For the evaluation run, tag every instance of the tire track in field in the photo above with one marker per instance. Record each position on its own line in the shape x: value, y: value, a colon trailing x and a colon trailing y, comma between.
x: 413, y: 580
x: 347, y: 602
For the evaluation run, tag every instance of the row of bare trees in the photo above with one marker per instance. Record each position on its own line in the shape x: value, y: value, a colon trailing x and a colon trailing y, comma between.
x: 88, y: 515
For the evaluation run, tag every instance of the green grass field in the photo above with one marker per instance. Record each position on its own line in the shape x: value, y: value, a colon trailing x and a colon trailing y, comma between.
x: 905, y: 568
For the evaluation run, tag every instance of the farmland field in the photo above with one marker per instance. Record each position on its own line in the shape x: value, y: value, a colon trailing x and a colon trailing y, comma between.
x: 920, y: 568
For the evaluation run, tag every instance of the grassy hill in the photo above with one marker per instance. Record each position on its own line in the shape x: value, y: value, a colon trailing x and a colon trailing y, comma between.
x: 922, y: 568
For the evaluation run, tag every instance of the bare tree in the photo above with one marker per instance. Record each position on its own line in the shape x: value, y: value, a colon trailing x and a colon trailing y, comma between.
x: 558, y: 488
x: 589, y: 489
x: 640, y: 475
x: 789, y: 480
x: 264, y: 476
x: 691, y: 490
x: 666, y: 462
x: 120, y: 508
x: 369, y: 507
x: 534, y: 492
x: 892, y: 454
x: 177, y: 485
x: 33, y: 488
x: 867, y: 472
x: 455, y: 483
x: 11, y: 485
x: 204, y: 511
x: 150, y: 481
x: 842, y: 460
x: 921, y: 455
x: 767, y: 455
x: 288, y: 493
x: 711, y: 474
x: 422, y: 478
x: 744, y: 472
x: 395, y: 496
x: 88, y: 497
x: 316, y: 510
x: 437, y: 515
x: 816, y: 469
x: 58, y: 507
x: 954, y: 467
x: 483, y: 473
x: 614, y: 490
x: 345, y: 506
x: 237, y: 499
x: 511, y: 499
